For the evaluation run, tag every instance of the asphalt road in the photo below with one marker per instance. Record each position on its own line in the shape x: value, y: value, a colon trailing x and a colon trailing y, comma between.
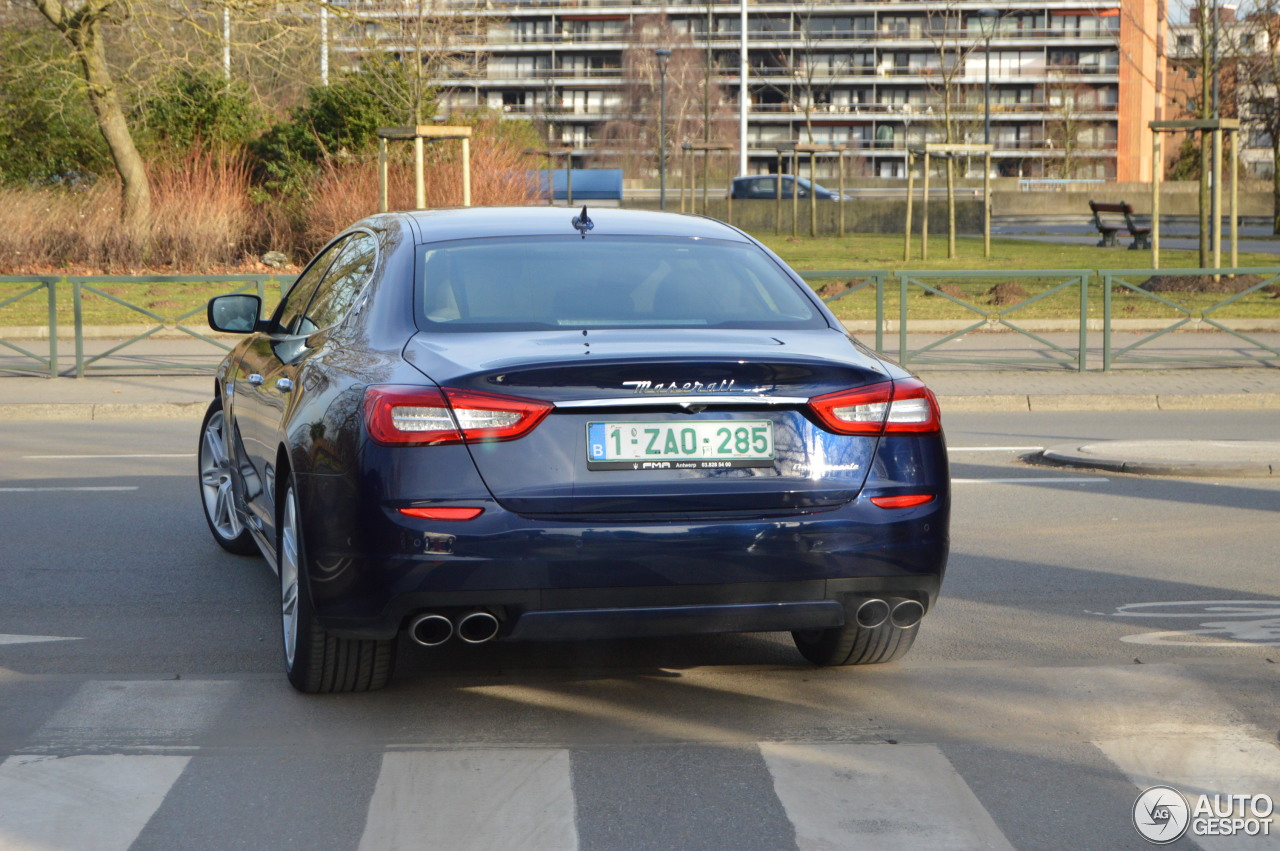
x: 1097, y: 635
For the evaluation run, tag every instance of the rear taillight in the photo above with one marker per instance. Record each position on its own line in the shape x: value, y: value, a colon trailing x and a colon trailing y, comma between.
x: 904, y: 406
x: 905, y: 500
x: 443, y: 512
x: 425, y: 416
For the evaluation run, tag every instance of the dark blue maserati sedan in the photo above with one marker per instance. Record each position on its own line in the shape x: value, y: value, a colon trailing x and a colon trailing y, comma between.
x: 540, y: 424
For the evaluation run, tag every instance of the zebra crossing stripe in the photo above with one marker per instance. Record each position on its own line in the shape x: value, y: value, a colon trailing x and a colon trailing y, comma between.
x: 34, y: 639
x: 1204, y: 762
x: 472, y: 799
x: 877, y: 796
x: 99, y: 802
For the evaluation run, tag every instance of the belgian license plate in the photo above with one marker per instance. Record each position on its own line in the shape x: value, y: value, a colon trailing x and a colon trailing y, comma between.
x: 695, y: 445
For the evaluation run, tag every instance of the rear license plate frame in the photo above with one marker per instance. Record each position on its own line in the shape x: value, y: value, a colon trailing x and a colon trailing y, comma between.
x: 599, y: 434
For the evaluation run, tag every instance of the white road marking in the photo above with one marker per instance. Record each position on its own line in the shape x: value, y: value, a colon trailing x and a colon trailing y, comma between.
x: 96, y: 489
x: 33, y: 639
x: 1223, y: 623
x: 99, y: 802
x: 877, y: 796
x: 472, y: 799
x: 1204, y: 762
x: 994, y: 448
x: 1036, y: 480
x: 85, y: 457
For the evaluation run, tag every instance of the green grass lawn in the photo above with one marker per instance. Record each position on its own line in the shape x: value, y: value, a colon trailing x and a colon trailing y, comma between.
x: 879, y: 252
x: 169, y: 300
x: 854, y: 252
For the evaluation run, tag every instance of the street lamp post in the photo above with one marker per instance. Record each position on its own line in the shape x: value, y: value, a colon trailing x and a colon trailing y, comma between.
x: 663, y: 55
x: 987, y: 20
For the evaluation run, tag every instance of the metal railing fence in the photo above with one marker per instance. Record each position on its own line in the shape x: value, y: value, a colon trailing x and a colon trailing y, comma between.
x: 32, y: 286
x: 1114, y: 280
x: 874, y: 280
x: 883, y: 294
x: 85, y: 289
x: 988, y: 319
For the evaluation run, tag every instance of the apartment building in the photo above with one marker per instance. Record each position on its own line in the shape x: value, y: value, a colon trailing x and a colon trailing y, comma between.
x: 1071, y: 84
x: 1242, y: 41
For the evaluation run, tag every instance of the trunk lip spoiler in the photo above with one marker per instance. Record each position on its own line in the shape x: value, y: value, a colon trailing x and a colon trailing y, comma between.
x: 682, y: 400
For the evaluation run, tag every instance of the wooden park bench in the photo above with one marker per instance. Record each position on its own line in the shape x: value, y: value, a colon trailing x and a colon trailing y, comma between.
x: 1110, y: 219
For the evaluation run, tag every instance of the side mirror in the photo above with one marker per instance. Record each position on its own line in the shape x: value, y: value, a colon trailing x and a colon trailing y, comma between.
x: 235, y: 314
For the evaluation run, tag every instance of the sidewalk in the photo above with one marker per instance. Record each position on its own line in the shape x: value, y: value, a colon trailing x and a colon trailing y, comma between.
x: 1197, y: 386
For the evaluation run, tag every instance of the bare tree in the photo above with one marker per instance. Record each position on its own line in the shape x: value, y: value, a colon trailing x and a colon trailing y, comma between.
x: 410, y: 46
x: 81, y: 27
x: 632, y: 140
x: 807, y: 66
x: 1069, y: 126
x: 952, y: 42
x: 1258, y: 78
x: 272, y: 48
x: 121, y: 49
x: 1213, y: 67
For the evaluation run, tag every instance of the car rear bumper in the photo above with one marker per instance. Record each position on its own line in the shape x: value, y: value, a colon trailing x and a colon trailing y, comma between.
x: 556, y: 580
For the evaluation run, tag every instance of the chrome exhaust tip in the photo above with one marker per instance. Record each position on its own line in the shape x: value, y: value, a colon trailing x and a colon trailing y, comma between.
x: 430, y: 630
x: 907, y: 614
x: 872, y: 613
x: 478, y: 627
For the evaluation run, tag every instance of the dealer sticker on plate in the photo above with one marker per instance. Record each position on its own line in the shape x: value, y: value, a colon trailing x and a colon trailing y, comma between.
x: 700, y: 445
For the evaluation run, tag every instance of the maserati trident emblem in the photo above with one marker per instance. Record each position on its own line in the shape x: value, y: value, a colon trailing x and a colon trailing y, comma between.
x: 729, y: 385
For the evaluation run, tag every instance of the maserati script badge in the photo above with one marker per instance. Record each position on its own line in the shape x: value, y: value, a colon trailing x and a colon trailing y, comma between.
x: 726, y: 386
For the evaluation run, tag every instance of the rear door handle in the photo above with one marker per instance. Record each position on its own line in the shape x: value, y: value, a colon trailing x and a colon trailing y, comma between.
x: 255, y: 380
x: 284, y: 385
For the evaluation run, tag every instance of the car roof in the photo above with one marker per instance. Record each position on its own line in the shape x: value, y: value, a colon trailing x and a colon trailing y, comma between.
x: 478, y: 222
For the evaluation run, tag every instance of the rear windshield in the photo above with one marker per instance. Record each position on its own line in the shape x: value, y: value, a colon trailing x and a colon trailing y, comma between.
x: 536, y: 283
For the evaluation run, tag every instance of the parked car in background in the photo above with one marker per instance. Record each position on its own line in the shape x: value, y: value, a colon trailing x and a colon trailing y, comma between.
x: 765, y: 186
x: 524, y: 424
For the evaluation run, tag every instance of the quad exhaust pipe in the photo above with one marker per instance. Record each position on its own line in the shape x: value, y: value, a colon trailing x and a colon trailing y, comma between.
x: 478, y: 627
x: 903, y: 614
x: 907, y: 614
x: 431, y: 630
x: 434, y: 629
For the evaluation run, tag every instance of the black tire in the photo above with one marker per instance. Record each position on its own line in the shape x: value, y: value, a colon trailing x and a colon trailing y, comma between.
x: 213, y: 478
x: 315, y: 661
x: 852, y: 644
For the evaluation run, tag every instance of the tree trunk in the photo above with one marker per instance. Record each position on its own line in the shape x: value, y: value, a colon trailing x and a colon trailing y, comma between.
x: 1206, y: 164
x: 134, y: 188
x: 1275, y: 183
x: 81, y: 32
x: 1205, y: 112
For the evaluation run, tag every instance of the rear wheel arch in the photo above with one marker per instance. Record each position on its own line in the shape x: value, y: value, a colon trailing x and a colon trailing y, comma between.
x: 321, y: 662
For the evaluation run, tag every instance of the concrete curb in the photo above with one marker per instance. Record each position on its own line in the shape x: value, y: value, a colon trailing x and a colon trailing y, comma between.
x: 1110, y: 402
x: 88, y: 412
x: 1238, y: 459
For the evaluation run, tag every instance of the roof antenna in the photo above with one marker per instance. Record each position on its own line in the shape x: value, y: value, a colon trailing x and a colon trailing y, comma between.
x: 583, y: 223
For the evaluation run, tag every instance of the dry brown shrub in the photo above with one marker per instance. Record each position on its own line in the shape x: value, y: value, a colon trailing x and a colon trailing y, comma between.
x: 1008, y: 292
x: 200, y: 216
x: 200, y: 210
x: 832, y: 288
x: 1224, y: 284
x: 947, y: 289
x: 348, y: 191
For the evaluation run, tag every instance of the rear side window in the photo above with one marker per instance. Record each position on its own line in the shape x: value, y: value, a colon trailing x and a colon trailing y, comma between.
x: 289, y: 315
x: 342, y: 283
x: 534, y: 283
